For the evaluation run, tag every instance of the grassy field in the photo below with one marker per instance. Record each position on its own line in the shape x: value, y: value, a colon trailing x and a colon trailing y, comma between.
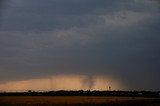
x: 77, y: 101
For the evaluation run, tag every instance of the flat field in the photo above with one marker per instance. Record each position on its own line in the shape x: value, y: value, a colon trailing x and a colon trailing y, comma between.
x: 77, y: 101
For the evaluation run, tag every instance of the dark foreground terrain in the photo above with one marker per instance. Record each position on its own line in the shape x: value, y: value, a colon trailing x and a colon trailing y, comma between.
x: 80, y: 98
x: 77, y: 101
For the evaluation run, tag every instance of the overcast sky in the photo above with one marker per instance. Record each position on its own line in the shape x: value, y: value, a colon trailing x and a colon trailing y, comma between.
x: 115, y: 38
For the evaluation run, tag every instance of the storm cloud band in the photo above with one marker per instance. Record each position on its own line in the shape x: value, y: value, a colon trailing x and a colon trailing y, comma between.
x: 117, y: 38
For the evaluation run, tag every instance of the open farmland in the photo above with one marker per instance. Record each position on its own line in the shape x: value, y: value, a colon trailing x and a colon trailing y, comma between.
x: 77, y: 101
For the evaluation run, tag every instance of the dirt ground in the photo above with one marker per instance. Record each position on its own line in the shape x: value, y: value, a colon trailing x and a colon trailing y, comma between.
x: 77, y: 101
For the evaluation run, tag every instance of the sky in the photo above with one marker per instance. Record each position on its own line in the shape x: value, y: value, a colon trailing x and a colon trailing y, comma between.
x: 79, y: 44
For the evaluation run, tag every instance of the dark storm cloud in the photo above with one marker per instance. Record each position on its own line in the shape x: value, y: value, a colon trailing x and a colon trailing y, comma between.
x: 2, y: 7
x: 55, y: 14
x: 2, y: 4
x: 114, y: 38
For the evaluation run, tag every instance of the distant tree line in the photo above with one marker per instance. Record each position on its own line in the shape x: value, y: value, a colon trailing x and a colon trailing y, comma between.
x: 84, y: 93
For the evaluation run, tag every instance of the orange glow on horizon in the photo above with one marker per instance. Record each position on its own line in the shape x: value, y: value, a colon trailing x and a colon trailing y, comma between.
x: 64, y: 82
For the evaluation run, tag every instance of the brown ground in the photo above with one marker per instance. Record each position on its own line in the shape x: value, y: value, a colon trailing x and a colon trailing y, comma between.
x: 77, y: 101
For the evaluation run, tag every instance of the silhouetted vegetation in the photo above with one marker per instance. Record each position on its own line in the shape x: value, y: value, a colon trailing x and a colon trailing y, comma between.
x: 84, y: 93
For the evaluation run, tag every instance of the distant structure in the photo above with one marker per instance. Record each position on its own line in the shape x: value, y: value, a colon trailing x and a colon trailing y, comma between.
x: 29, y: 91
x: 109, y: 88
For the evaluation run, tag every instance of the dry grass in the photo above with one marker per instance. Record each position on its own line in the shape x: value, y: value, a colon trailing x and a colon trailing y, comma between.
x: 76, y: 101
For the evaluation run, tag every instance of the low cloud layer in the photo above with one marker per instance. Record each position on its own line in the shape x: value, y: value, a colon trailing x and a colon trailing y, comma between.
x: 64, y: 82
